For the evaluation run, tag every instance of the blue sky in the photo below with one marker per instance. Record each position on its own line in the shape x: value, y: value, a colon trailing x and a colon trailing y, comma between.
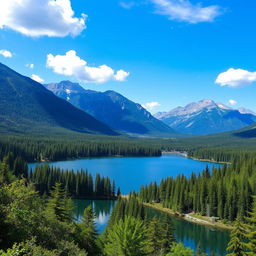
x: 168, y: 51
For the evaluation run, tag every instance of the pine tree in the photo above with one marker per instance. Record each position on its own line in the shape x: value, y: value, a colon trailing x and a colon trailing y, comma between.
x: 167, y: 231
x: 88, y: 232
x: 252, y: 229
x: 237, y: 245
x: 59, y: 205
x: 127, y: 238
x: 154, y: 236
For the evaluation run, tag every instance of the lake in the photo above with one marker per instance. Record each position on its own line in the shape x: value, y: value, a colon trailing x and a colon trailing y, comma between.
x: 190, y: 234
x: 129, y: 173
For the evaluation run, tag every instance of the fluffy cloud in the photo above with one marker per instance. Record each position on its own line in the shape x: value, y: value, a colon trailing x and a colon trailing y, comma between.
x: 183, y: 10
x: 37, y: 78
x: 151, y: 105
x: 236, y: 78
x: 232, y: 102
x: 54, y: 18
x: 72, y: 65
x: 6, y: 53
x: 30, y: 65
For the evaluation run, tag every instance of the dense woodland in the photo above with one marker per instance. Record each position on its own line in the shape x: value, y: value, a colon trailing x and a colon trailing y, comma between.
x: 225, y: 193
x: 44, y: 226
x: 79, y: 184
x: 36, y: 210
x: 63, y: 147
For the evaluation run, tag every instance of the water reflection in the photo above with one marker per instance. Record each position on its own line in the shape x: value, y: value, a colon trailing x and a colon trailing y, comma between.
x: 190, y: 234
x: 102, y: 209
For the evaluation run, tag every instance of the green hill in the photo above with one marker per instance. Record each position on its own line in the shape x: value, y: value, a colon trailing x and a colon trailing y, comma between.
x: 27, y: 107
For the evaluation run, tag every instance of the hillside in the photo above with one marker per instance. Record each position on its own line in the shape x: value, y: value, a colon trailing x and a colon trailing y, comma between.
x: 113, y: 109
x: 27, y: 107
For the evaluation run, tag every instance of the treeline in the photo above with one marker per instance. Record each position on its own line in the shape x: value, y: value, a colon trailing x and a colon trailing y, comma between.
x: 56, y: 148
x: 220, y: 154
x: 79, y: 184
x: 225, y: 193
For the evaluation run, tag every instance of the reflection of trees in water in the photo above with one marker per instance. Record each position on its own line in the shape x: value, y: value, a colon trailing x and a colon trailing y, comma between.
x: 190, y: 234
x: 193, y: 235
x: 102, y: 208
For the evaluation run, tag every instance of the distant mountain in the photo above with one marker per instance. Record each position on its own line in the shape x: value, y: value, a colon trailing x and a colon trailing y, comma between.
x: 111, y: 108
x: 206, y: 117
x: 27, y: 107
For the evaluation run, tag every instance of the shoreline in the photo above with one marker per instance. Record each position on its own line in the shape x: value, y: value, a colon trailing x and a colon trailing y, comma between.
x: 185, y: 154
x: 195, y: 218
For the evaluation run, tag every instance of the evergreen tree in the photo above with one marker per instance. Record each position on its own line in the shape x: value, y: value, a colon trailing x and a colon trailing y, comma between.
x: 127, y: 238
x: 237, y: 245
x: 251, y: 226
x: 88, y: 233
x: 59, y: 205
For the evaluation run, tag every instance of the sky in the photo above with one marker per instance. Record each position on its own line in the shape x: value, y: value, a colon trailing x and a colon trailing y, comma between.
x: 159, y: 53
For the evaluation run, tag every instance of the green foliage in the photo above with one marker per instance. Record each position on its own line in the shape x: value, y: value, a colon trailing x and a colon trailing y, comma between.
x: 237, y: 245
x: 78, y: 184
x: 126, y: 238
x: 66, y: 146
x: 224, y: 193
x: 180, y: 250
x: 251, y: 227
x: 59, y: 206
x: 87, y: 233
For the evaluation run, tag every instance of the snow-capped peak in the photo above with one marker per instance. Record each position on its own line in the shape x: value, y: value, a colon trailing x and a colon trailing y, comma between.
x: 246, y: 111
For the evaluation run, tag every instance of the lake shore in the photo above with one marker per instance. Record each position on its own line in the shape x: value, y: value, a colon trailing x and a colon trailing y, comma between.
x: 195, y: 218
x: 185, y: 154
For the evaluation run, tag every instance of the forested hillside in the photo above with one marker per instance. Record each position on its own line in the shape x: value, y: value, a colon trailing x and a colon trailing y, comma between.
x: 27, y: 107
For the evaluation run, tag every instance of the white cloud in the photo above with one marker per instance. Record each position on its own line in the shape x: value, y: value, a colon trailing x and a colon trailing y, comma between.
x: 72, y: 65
x: 30, y: 65
x: 6, y: 54
x: 232, y: 102
x: 37, y: 78
x: 54, y: 18
x: 184, y: 10
x: 236, y: 78
x: 126, y: 5
x: 151, y: 105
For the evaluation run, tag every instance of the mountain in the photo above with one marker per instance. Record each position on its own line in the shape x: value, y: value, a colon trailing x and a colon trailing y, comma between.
x: 206, y: 117
x: 26, y: 107
x: 111, y: 108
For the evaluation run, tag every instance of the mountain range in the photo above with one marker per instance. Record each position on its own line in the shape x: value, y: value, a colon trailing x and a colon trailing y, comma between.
x: 112, y: 109
x: 27, y: 106
x: 206, y: 117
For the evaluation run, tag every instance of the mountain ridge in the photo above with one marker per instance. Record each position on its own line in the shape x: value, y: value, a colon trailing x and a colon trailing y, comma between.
x: 112, y: 108
x: 26, y: 106
x: 206, y: 117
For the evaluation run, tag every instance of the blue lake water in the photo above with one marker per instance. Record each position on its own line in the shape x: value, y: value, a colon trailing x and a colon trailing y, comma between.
x: 129, y: 173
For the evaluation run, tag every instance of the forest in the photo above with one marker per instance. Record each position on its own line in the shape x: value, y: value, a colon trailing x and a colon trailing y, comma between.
x: 56, y: 148
x: 31, y: 224
x: 79, y: 185
x: 226, y: 193
x: 36, y: 211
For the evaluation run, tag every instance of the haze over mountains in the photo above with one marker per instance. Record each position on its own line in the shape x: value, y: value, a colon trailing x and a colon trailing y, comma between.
x: 27, y: 107
x: 206, y: 117
x: 112, y: 109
